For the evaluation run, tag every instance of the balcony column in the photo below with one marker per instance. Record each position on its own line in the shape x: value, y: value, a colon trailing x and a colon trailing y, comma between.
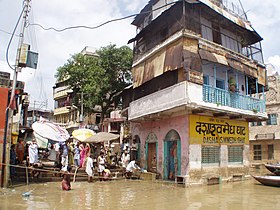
x: 263, y: 93
x: 247, y: 85
x: 215, y: 75
x: 263, y: 98
x: 257, y: 88
x: 236, y: 80
x: 215, y: 81
x: 226, y: 85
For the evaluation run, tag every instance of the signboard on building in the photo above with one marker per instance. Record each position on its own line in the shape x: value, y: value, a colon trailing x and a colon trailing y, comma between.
x: 215, y: 131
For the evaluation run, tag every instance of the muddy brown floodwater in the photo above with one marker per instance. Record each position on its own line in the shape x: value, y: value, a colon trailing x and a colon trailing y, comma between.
x: 131, y: 194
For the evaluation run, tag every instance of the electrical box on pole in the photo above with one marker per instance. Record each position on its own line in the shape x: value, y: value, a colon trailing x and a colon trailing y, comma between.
x: 27, y: 58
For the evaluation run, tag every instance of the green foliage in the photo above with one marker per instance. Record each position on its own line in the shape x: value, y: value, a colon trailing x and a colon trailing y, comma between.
x: 100, y: 77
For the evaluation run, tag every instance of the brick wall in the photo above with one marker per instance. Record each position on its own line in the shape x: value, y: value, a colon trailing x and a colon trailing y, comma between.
x: 3, y: 106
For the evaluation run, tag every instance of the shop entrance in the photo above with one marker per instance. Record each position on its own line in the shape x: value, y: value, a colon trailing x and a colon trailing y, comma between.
x: 172, y: 155
x: 151, y: 153
x: 152, y: 157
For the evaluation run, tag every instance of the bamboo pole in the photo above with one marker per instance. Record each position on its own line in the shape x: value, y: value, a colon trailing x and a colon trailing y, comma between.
x: 26, y: 171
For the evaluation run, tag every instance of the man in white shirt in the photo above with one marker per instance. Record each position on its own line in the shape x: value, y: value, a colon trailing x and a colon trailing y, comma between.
x: 89, y: 168
x: 52, y: 154
x: 33, y: 152
x: 125, y: 159
x: 131, y: 168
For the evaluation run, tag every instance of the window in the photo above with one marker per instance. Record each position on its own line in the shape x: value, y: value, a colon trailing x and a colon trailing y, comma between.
x: 259, y: 123
x: 257, y: 152
x: 210, y: 154
x: 205, y: 79
x: 206, y: 32
x: 235, y: 154
x: 220, y: 84
x: 272, y: 119
x: 270, y: 151
x: 216, y: 34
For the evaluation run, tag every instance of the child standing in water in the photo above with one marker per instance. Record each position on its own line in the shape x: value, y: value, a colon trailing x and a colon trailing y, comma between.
x: 101, y: 165
x: 65, y: 184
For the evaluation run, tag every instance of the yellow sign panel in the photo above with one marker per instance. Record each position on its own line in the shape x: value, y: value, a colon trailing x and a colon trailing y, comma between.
x: 211, y: 130
x: 23, y: 55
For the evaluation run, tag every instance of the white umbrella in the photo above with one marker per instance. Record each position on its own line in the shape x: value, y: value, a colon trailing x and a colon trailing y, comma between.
x: 51, y: 131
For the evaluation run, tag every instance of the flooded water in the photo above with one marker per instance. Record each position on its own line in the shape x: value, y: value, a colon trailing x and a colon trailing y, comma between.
x: 131, y: 194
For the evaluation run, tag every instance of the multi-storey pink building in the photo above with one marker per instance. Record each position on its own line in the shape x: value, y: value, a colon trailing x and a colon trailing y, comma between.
x: 199, y: 79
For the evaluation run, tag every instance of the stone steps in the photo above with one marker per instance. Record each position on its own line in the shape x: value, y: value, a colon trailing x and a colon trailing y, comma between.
x: 50, y: 174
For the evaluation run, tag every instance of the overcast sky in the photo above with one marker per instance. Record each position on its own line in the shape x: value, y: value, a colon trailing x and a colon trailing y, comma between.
x: 55, y: 48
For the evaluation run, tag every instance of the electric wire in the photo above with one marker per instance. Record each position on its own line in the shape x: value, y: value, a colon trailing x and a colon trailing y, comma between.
x: 6, y: 32
x: 10, y: 41
x: 102, y: 24
x: 35, y: 44
x: 69, y: 28
x: 37, y: 74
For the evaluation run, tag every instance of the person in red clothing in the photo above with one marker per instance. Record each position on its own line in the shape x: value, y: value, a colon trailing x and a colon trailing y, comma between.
x: 65, y: 184
x: 20, y: 150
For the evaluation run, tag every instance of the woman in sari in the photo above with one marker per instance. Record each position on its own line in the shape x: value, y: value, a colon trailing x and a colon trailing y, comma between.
x: 82, y: 154
x: 87, y: 154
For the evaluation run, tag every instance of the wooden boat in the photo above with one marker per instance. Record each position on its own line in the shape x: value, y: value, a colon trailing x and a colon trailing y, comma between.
x: 268, y: 180
x: 273, y: 168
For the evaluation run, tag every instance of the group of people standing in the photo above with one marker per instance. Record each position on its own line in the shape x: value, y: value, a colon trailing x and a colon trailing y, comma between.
x: 69, y: 154
x: 129, y: 152
x: 129, y: 158
x: 81, y: 155
x: 20, y: 152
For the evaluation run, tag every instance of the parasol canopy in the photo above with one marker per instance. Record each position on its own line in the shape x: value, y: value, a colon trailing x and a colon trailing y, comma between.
x: 102, y: 137
x: 82, y: 134
x: 50, y: 130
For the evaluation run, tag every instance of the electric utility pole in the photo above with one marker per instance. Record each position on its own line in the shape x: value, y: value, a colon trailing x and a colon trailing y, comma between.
x: 6, y: 145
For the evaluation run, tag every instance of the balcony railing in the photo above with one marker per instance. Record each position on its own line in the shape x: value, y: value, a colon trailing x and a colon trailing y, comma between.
x: 60, y: 94
x: 61, y: 110
x: 236, y: 100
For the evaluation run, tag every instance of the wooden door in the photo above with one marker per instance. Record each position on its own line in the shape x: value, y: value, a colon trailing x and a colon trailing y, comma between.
x: 152, y: 155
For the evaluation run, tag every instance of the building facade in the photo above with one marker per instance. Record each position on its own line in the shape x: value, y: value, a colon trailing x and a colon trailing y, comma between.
x: 265, y: 135
x: 199, y: 79
x: 65, y: 112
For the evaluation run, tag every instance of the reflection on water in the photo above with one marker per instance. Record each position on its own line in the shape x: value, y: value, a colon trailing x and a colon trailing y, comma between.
x: 127, y: 194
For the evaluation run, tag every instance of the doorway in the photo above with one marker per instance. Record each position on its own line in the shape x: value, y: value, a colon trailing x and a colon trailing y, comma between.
x: 152, y: 157
x: 151, y: 153
x: 172, y: 155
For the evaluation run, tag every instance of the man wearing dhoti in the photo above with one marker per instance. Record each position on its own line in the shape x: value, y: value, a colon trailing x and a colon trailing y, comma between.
x: 89, y: 167
x: 33, y: 152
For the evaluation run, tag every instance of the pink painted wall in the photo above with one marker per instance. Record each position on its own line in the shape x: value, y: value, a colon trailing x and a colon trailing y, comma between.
x: 160, y: 128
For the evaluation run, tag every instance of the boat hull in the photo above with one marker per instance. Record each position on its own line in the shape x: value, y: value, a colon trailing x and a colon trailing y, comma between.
x: 273, y: 168
x: 268, y: 180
